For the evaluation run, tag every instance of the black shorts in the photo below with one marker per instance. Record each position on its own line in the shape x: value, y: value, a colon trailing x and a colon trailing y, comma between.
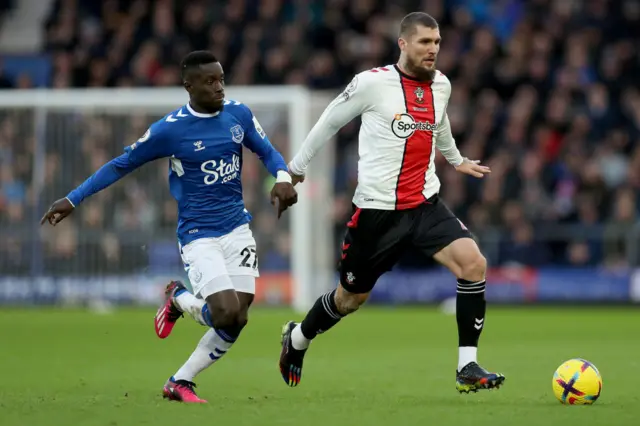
x: 376, y: 239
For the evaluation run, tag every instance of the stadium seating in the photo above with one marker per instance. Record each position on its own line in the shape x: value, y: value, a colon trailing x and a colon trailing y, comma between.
x: 544, y: 92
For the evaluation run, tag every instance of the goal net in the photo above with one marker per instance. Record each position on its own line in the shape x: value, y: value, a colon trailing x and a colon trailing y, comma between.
x: 120, y: 246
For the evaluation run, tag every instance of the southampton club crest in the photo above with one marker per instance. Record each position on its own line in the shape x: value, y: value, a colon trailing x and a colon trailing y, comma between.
x: 237, y: 134
x: 419, y: 92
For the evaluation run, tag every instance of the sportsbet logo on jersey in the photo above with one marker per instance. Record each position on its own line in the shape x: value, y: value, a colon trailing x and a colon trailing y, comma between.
x: 214, y: 170
x: 404, y: 125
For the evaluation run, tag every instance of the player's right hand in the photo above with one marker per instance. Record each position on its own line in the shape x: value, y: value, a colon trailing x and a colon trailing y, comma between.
x: 57, y: 212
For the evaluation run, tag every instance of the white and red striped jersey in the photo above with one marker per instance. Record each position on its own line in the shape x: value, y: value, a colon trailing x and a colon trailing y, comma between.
x: 403, y: 119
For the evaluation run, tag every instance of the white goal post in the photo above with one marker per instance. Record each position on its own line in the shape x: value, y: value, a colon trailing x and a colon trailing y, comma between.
x: 297, y: 108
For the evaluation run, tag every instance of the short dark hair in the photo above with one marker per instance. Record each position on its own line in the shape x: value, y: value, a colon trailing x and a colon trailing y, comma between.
x: 412, y: 20
x: 195, y: 59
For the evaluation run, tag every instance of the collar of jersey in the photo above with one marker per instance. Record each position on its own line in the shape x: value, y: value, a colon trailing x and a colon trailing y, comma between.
x: 410, y: 77
x: 200, y: 114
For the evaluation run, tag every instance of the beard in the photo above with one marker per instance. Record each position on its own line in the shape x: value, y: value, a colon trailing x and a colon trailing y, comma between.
x: 419, y: 71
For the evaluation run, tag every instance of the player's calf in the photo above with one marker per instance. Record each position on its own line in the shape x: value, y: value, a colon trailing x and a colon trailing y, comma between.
x: 328, y: 310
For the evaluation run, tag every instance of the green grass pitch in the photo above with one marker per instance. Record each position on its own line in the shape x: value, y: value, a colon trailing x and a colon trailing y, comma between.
x: 392, y: 366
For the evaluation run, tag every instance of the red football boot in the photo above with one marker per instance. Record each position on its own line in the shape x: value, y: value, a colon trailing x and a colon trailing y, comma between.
x: 168, y: 313
x: 181, y: 390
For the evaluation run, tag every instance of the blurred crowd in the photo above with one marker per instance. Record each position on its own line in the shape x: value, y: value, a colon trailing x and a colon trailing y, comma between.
x: 545, y: 92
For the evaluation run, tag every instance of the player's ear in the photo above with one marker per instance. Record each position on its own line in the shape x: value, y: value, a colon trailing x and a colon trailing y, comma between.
x: 187, y: 85
x: 402, y: 43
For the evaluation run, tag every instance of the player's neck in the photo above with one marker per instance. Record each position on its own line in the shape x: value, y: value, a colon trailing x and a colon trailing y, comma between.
x: 199, y: 109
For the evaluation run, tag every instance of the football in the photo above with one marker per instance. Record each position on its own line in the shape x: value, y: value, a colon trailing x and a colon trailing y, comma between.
x: 577, y: 382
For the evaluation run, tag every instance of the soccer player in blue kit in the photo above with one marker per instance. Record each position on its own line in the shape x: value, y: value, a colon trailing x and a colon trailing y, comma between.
x: 203, y: 141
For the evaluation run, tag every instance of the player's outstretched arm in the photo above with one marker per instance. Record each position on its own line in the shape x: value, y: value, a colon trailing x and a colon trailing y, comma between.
x: 446, y: 144
x: 148, y: 148
x: 108, y: 174
x: 352, y: 102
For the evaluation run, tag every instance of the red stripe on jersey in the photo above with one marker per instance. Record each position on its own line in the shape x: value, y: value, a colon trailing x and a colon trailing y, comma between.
x: 418, y: 147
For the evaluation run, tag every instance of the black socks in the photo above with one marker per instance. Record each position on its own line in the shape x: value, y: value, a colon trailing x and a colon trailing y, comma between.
x: 470, y: 310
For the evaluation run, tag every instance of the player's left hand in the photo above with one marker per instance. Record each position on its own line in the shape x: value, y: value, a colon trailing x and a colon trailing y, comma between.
x: 473, y: 168
x: 285, y: 194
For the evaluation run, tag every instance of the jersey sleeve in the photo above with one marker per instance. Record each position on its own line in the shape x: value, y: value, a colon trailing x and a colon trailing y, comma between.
x: 352, y: 102
x: 446, y: 144
x: 257, y: 141
x: 154, y: 144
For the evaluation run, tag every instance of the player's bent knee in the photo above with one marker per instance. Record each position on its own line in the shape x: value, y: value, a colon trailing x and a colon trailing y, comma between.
x: 224, y: 317
x: 243, y: 318
x: 224, y: 308
x: 464, y: 259
x: 475, y: 269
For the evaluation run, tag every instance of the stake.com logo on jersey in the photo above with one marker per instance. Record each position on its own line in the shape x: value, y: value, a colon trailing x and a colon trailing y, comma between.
x: 404, y: 125
x: 214, y: 170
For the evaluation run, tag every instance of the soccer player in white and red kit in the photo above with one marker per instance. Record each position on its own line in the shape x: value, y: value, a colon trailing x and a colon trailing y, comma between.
x: 396, y: 203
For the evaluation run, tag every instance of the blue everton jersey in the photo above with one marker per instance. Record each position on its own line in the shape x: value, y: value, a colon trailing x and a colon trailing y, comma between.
x: 205, y: 164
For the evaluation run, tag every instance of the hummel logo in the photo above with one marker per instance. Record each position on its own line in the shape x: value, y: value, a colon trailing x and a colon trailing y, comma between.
x: 198, y: 145
x: 180, y: 114
x: 478, y: 324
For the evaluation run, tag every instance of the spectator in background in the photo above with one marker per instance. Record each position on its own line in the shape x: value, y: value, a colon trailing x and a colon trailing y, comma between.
x: 546, y: 92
